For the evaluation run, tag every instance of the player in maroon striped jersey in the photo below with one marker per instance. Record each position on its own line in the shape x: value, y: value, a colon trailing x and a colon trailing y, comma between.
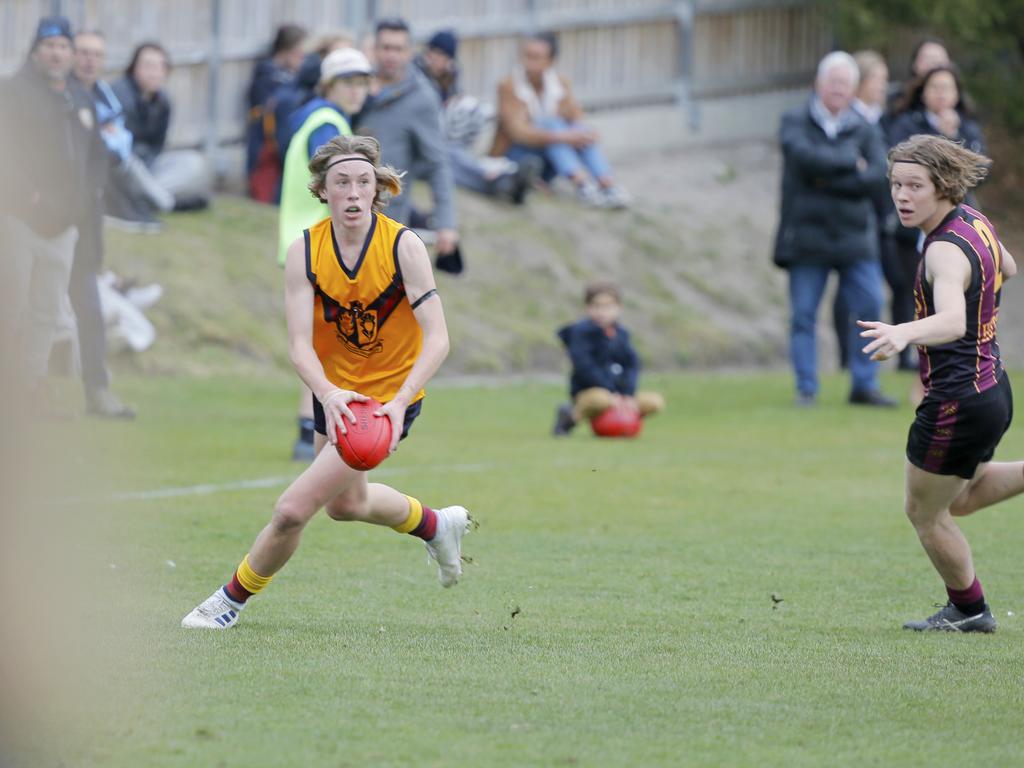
x: 968, y: 403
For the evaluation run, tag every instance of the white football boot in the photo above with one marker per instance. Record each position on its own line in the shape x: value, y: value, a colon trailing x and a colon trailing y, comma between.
x: 446, y: 546
x: 215, y: 612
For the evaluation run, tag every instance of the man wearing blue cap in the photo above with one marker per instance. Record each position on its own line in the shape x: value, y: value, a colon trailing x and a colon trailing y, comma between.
x: 463, y: 119
x: 46, y: 146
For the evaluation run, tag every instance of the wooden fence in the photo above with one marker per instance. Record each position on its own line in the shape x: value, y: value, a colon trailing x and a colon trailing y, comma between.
x: 619, y: 53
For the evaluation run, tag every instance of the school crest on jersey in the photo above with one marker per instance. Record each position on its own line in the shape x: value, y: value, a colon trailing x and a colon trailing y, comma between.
x: 357, y: 327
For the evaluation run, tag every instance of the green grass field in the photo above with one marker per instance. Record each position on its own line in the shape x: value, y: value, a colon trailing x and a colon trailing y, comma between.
x: 619, y: 609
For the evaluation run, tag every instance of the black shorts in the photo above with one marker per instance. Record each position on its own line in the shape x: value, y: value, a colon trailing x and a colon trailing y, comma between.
x: 320, y: 424
x: 952, y: 437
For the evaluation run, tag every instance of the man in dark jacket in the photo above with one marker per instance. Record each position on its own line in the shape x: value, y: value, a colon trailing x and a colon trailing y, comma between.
x: 463, y: 118
x: 45, y: 148
x: 834, y: 164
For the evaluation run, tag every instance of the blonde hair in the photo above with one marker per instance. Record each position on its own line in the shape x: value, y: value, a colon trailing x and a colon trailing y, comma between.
x: 330, y: 41
x: 868, y: 62
x: 953, y: 168
x: 389, y: 180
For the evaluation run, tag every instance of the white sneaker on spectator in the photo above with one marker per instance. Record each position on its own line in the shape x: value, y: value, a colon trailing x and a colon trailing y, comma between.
x: 144, y: 296
x: 215, y: 612
x: 446, y: 546
x: 589, y: 194
x: 497, y: 166
x: 126, y: 323
x: 615, y: 197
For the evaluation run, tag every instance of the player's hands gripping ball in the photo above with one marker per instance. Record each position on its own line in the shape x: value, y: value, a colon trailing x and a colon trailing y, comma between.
x: 367, y: 442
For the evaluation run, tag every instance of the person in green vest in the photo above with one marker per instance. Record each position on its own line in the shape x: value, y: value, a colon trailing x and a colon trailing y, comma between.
x: 344, y: 84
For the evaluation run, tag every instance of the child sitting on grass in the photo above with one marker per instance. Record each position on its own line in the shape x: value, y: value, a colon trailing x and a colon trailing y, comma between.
x: 605, y: 367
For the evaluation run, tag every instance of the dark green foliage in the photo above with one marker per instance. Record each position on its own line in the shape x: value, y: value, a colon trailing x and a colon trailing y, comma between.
x: 985, y: 39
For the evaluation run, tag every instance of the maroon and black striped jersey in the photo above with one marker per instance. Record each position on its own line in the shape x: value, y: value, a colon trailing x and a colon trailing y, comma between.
x: 970, y: 364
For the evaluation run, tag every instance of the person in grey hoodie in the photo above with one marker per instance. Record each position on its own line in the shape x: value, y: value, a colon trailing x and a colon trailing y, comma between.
x: 404, y: 115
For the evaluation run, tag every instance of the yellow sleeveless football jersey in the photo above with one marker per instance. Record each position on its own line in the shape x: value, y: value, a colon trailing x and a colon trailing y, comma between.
x: 364, y: 330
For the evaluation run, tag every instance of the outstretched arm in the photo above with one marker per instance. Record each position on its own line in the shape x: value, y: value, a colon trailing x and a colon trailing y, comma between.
x: 949, y: 272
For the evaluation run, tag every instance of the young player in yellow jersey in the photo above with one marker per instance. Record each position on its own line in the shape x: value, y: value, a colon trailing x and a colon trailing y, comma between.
x: 364, y: 320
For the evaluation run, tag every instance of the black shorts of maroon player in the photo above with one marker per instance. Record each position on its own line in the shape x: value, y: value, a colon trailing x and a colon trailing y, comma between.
x: 320, y: 423
x: 952, y: 437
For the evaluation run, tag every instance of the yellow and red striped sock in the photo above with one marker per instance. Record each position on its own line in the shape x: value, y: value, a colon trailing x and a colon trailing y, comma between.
x: 246, y: 582
x: 421, y: 522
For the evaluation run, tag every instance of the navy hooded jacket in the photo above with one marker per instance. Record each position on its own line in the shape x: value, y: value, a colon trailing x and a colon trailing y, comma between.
x: 600, y: 360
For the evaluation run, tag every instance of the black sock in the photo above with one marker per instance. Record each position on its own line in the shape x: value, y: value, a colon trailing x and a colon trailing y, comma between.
x: 972, y: 609
x: 970, y: 601
x: 306, y: 427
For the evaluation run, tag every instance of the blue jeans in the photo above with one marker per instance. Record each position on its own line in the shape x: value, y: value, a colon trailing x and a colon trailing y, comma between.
x: 564, y: 158
x: 860, y: 285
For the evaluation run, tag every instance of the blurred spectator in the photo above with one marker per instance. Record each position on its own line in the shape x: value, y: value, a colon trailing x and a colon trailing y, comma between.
x: 869, y: 103
x: 90, y: 56
x: 147, y: 111
x: 439, y: 62
x: 262, y: 159
x: 833, y: 167
x: 939, y: 106
x: 49, y: 190
x: 899, y: 270
x: 929, y: 53
x: 290, y: 96
x: 463, y: 118
x: 344, y: 83
x: 538, y: 115
x: 872, y: 87
x: 90, y: 61
x: 132, y: 192
x: 605, y: 367
x: 404, y: 115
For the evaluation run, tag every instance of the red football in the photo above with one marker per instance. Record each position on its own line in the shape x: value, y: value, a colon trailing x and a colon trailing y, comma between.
x: 617, y: 422
x: 366, y: 443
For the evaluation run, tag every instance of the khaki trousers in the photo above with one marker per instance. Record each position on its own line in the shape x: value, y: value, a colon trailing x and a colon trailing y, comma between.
x: 594, y: 401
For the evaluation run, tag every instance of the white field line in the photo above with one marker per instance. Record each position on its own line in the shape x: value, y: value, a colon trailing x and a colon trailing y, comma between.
x: 206, y: 489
